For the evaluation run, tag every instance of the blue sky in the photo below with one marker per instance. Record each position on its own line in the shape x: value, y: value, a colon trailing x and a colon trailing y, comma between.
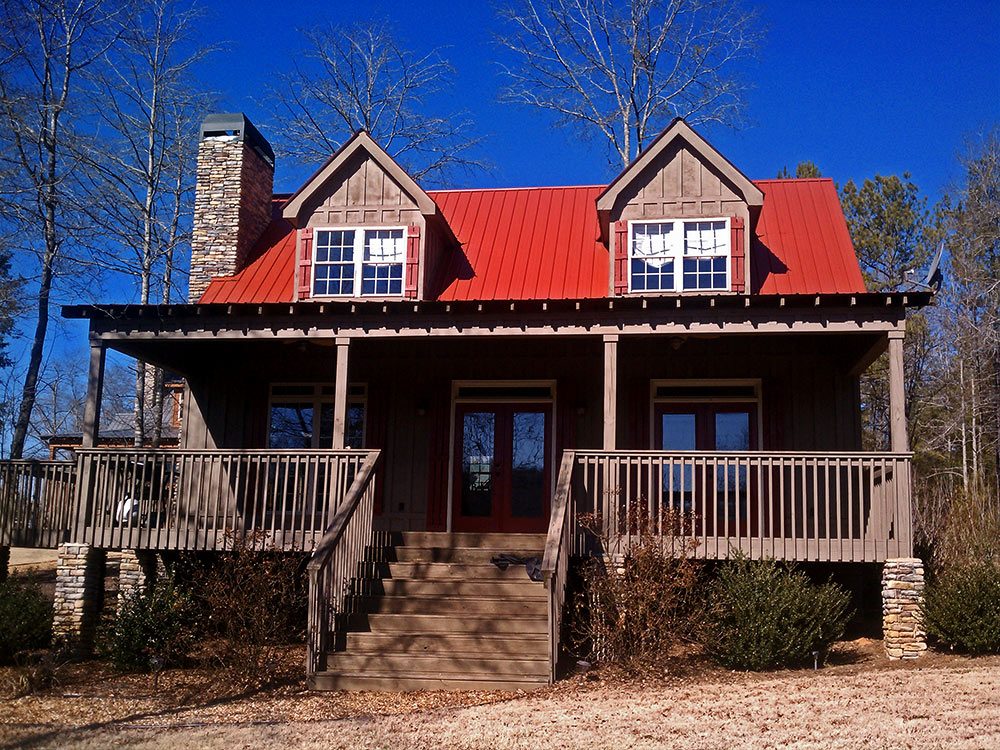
x: 857, y: 87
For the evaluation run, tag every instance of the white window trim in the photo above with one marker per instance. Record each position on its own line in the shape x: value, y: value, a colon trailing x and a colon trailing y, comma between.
x: 676, y: 253
x: 359, y: 253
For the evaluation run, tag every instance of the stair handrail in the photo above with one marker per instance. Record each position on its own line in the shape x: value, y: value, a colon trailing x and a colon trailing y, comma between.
x: 555, y: 562
x: 336, y: 562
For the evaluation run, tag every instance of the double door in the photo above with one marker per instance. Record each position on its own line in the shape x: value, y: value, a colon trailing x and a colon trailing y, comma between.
x: 718, y: 493
x: 503, y: 465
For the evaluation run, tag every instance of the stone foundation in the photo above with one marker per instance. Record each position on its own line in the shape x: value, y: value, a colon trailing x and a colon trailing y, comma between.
x: 78, y: 597
x: 136, y: 570
x: 902, y: 599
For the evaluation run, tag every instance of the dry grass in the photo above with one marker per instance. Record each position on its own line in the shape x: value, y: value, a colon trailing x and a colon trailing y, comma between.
x: 861, y: 701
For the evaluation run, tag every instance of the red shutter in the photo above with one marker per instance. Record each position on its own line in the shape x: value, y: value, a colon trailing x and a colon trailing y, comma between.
x: 738, y: 275
x: 304, y: 288
x: 621, y: 257
x: 412, y: 261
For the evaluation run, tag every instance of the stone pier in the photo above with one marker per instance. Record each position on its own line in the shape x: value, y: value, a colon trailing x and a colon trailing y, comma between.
x: 136, y: 570
x: 902, y: 599
x: 78, y: 597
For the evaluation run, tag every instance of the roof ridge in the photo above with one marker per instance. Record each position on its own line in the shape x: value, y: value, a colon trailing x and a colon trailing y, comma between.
x: 525, y: 187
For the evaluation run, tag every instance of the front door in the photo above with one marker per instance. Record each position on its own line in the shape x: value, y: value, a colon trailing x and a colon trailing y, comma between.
x: 502, y: 467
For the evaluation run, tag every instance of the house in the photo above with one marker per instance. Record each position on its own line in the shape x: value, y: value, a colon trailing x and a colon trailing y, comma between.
x: 406, y: 382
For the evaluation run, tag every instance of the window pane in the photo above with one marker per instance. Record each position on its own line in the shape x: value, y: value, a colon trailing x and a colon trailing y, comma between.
x: 354, y: 433
x: 528, y: 470
x: 646, y: 276
x: 678, y: 434
x: 291, y: 426
x: 478, y: 433
x: 732, y: 433
x: 705, y: 238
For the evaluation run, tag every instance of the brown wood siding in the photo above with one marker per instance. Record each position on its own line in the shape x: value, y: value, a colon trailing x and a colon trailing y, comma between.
x: 680, y: 183
x: 809, y: 401
x: 364, y: 194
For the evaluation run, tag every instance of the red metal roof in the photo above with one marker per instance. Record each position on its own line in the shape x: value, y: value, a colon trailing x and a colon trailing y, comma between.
x: 802, y: 244
x: 543, y: 243
x: 524, y: 243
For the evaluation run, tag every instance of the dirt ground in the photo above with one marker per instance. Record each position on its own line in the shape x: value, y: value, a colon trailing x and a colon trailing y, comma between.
x: 859, y: 701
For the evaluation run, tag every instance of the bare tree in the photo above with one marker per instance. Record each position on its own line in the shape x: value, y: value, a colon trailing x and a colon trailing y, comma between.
x: 622, y: 70
x: 147, y: 107
x: 44, y: 46
x: 360, y: 77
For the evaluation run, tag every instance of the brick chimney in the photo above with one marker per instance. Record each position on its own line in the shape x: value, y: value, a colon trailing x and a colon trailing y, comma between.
x: 232, y: 200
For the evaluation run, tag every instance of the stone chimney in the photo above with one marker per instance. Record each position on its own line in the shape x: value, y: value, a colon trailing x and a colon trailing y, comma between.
x: 232, y: 200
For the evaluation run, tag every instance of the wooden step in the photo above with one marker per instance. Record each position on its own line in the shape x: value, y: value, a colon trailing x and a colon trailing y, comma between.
x: 390, y: 681
x: 458, y: 606
x: 524, y: 589
x: 486, y: 644
x: 493, y: 541
x: 459, y: 665
x: 477, y: 555
x: 437, y: 623
x: 417, y: 570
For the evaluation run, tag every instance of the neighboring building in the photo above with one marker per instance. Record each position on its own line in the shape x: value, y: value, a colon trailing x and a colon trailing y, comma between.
x: 469, y: 370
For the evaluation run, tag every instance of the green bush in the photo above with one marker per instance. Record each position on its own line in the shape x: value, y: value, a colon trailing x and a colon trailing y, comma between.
x: 962, y: 605
x: 766, y: 615
x: 153, y: 628
x: 25, y: 618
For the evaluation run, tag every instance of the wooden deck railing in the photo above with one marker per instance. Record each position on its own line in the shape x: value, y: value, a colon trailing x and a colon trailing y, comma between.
x: 36, y: 502
x: 192, y: 499
x: 841, y: 507
x: 337, y: 575
x: 555, y: 563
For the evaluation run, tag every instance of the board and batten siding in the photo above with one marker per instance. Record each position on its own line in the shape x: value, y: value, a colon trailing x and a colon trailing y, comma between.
x: 680, y: 183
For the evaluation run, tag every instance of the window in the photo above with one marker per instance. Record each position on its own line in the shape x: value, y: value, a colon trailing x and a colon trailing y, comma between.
x: 353, y: 262
x: 668, y: 256
x: 301, y: 416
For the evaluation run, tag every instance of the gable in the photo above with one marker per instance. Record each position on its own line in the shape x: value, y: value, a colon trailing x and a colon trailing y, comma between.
x: 361, y: 191
x: 678, y: 164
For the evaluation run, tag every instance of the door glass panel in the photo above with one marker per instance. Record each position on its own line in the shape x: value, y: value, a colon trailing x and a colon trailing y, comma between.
x: 678, y: 434
x: 291, y: 426
x: 354, y: 433
x: 478, y: 441
x: 528, y: 465
x: 732, y: 433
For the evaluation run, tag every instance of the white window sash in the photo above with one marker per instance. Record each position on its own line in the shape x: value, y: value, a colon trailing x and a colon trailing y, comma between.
x: 379, y: 244
x: 674, y: 249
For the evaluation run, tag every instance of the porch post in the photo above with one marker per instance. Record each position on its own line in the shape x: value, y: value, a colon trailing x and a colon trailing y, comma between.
x: 95, y: 386
x: 340, y: 393
x: 897, y: 405
x: 610, y: 391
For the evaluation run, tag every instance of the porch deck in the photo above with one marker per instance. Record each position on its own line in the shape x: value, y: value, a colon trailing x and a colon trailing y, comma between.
x: 805, y: 506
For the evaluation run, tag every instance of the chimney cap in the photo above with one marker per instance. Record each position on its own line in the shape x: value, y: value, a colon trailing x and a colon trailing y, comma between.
x: 239, y: 125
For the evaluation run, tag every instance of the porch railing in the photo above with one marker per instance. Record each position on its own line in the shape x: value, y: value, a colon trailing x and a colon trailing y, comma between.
x: 36, y: 502
x: 192, y: 499
x: 841, y: 507
x: 337, y: 574
x: 555, y: 563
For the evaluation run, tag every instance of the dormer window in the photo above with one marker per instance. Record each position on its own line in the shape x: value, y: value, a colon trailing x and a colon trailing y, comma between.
x: 676, y: 256
x: 362, y: 261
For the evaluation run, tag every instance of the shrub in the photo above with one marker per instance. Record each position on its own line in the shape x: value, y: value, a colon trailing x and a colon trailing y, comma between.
x: 25, y: 617
x: 638, y: 601
x: 962, y: 605
x: 765, y: 615
x: 152, y: 629
x: 33, y: 673
x: 251, y: 601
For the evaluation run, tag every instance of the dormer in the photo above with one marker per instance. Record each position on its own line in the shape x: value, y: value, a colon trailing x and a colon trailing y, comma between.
x: 365, y: 229
x: 679, y: 219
